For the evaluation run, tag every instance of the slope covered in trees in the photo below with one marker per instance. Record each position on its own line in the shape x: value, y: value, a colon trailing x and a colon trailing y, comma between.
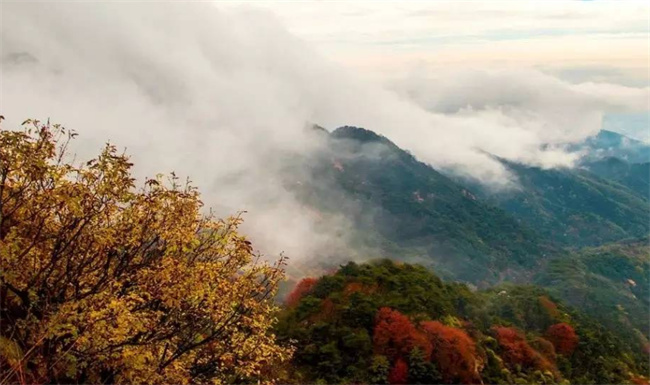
x: 405, y: 208
x: 635, y: 176
x: 402, y: 207
x: 385, y: 322
x: 573, y: 207
x: 610, y: 283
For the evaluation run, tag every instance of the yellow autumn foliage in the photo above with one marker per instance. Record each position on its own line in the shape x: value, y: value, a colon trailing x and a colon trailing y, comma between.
x: 101, y: 282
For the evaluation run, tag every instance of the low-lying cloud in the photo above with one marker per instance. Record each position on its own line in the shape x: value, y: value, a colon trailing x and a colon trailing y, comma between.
x: 217, y: 94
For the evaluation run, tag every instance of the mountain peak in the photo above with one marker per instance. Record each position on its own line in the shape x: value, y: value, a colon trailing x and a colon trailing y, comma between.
x: 359, y: 134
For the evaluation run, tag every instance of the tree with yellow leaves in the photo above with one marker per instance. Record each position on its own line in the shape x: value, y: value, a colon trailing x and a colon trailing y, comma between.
x: 103, y: 282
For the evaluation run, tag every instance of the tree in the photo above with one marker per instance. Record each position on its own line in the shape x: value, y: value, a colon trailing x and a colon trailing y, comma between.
x: 420, y: 370
x: 101, y: 282
x: 563, y: 337
x: 454, y: 352
x: 517, y: 351
x: 395, y: 336
x: 399, y: 373
x: 302, y: 288
x: 379, y: 369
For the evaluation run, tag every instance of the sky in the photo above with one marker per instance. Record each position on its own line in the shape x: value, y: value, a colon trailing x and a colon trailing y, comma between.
x: 217, y: 91
x: 577, y: 41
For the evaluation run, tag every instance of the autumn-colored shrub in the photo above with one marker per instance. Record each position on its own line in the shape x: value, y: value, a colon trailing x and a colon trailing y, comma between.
x: 101, y: 282
x: 454, y: 352
x: 517, y: 351
x: 302, y: 288
x: 398, y: 374
x: 563, y: 337
x: 395, y: 336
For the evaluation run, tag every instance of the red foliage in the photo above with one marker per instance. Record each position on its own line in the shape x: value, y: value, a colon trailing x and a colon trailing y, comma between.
x: 640, y: 381
x: 398, y: 373
x: 300, y: 290
x: 454, y: 351
x: 517, y: 351
x: 563, y: 337
x: 395, y: 336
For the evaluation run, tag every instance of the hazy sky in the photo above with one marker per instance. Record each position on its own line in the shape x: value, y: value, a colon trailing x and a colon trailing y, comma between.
x: 215, y: 91
x: 593, y: 40
x: 578, y: 41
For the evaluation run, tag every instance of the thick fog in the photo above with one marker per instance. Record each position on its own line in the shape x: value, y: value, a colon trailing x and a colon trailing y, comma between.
x: 216, y: 94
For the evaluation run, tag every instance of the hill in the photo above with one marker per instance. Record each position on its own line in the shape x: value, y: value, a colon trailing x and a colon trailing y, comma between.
x: 607, y: 144
x: 385, y: 322
x: 635, y: 176
x: 573, y: 207
x: 406, y: 208
x: 610, y: 283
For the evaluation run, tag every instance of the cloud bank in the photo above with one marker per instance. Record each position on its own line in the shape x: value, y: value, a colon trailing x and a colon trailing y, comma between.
x: 217, y: 94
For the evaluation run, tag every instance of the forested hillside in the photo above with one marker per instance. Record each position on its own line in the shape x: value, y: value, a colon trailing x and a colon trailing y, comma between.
x: 610, y: 283
x: 385, y: 322
x: 635, y: 176
x: 410, y: 211
x: 573, y: 207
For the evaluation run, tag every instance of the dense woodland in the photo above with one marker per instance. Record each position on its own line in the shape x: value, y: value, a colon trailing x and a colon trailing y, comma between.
x: 388, y: 322
x: 103, y: 281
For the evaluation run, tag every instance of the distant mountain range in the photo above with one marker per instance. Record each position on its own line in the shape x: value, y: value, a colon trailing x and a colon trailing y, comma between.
x: 608, y: 144
x: 579, y: 232
x: 403, y: 207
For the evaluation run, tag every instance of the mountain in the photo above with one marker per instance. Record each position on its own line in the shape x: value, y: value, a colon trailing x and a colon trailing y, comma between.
x: 572, y: 207
x: 384, y: 322
x: 608, y: 144
x: 578, y: 234
x: 617, y: 158
x: 635, y: 176
x: 611, y: 283
x: 411, y: 211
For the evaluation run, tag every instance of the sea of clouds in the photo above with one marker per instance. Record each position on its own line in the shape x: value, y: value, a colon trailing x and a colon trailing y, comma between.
x: 216, y: 94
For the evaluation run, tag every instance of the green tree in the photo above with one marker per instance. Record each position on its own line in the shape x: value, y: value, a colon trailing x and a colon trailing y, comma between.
x: 422, y: 371
x: 379, y: 369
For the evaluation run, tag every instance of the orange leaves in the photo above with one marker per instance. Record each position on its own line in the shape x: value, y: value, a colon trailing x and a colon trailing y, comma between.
x: 395, y: 336
x: 517, y: 351
x: 563, y: 337
x: 300, y: 290
x: 454, y: 351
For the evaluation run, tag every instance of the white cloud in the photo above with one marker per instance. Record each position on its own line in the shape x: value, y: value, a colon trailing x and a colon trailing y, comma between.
x: 387, y: 37
x: 216, y: 94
